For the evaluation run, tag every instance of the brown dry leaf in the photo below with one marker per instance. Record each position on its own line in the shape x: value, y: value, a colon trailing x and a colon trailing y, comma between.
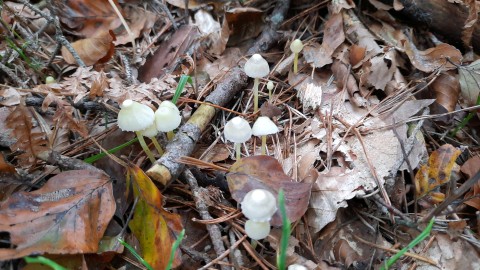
x: 88, y: 17
x: 449, y: 254
x: 266, y: 173
x: 94, y: 50
x: 9, y: 96
x: 214, y: 35
x: 63, y: 116
x: 447, y: 89
x: 167, y: 52
x: 438, y: 170
x: 345, y: 79
x: 68, y: 215
x: 244, y: 23
x: 470, y: 168
x: 316, y: 55
x: 31, y: 143
x: 333, y: 34
x: 378, y: 71
x: 139, y: 21
x: 433, y: 58
x: 469, y: 26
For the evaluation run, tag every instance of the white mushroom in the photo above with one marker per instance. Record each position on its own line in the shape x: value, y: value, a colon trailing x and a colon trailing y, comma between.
x: 151, y: 132
x: 270, y: 88
x: 238, y: 131
x: 296, y: 47
x: 257, y: 230
x: 256, y: 67
x: 263, y: 127
x: 259, y: 205
x: 167, y: 118
x: 134, y: 116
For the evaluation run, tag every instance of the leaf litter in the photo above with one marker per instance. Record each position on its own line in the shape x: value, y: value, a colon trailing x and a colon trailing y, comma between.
x: 362, y: 153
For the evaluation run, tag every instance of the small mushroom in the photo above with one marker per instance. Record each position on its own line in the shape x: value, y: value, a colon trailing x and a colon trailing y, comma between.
x: 263, y: 127
x: 259, y: 205
x: 270, y: 88
x: 257, y: 230
x: 296, y: 47
x: 238, y: 131
x: 134, y: 116
x: 296, y: 267
x: 256, y: 67
x: 167, y: 118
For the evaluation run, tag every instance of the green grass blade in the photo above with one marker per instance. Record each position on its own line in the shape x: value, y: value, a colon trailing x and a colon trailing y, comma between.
x: 132, y: 250
x: 425, y: 233
x: 465, y: 120
x: 45, y: 261
x: 181, y: 85
x: 282, y: 254
x: 175, y: 246
x: 98, y: 156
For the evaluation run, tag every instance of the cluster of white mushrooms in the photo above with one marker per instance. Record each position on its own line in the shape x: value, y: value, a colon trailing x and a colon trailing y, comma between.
x: 141, y: 119
x: 258, y: 206
x: 238, y: 131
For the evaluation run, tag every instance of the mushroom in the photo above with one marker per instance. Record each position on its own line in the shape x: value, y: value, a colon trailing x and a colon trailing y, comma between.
x: 167, y: 118
x: 256, y: 67
x: 296, y: 47
x: 238, y: 131
x: 263, y: 127
x: 270, y: 88
x: 150, y: 133
x: 134, y: 116
x: 257, y: 229
x: 259, y: 205
x: 296, y: 267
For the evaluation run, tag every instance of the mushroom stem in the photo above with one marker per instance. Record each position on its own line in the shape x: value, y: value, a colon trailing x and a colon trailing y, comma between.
x: 141, y: 140
x: 158, y: 146
x: 295, y: 63
x: 237, y: 151
x: 264, y: 144
x: 170, y: 135
x: 255, y: 94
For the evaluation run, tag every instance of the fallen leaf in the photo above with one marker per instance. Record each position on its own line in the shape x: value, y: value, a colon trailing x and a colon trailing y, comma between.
x: 333, y: 35
x: 155, y: 228
x: 469, y: 82
x: 95, y: 50
x: 9, y: 96
x: 378, y: 70
x: 266, y: 173
x: 438, y: 169
x: 316, y: 55
x: 68, y: 215
x: 446, y: 89
x: 86, y: 17
x: 244, y: 23
x: 470, y: 168
x: 356, y: 54
x: 213, y: 34
x: 140, y: 21
x: 433, y: 58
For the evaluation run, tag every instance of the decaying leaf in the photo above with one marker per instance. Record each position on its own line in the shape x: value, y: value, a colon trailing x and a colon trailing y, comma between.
x: 470, y: 168
x: 244, y: 23
x: 92, y: 50
x: 266, y: 173
x: 447, y: 89
x: 214, y: 34
x: 470, y: 81
x: 87, y: 17
x: 155, y: 228
x: 438, y: 170
x: 433, y: 58
x: 28, y: 141
x: 68, y: 215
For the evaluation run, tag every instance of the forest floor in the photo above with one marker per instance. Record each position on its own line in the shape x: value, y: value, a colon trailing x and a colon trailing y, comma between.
x: 373, y: 158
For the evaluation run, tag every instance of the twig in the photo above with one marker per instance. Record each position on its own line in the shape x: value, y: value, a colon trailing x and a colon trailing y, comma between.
x: 128, y: 68
x: 213, y: 229
x: 392, y: 250
x: 12, y: 75
x: 64, y: 162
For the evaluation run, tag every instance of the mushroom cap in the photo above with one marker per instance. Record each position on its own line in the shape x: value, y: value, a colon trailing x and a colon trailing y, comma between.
x: 134, y: 116
x: 237, y: 130
x: 150, y: 131
x: 264, y: 126
x: 167, y: 118
x: 256, y: 67
x: 296, y: 46
x: 296, y: 267
x: 259, y: 205
x: 257, y: 230
x: 169, y: 104
x: 270, y: 85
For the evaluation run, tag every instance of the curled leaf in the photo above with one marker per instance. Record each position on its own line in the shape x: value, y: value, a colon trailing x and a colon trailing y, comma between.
x: 92, y: 50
